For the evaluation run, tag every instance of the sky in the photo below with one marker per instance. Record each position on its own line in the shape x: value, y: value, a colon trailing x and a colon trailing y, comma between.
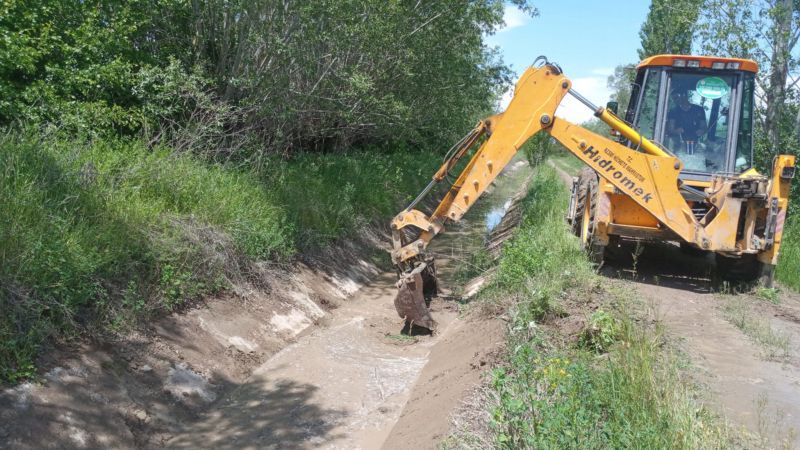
x: 586, y: 38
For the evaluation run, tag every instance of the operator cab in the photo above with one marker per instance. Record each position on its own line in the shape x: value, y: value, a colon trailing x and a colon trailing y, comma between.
x: 699, y: 108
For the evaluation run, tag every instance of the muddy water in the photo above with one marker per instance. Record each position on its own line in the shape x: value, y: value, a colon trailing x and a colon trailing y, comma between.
x: 346, y: 384
x: 495, y: 215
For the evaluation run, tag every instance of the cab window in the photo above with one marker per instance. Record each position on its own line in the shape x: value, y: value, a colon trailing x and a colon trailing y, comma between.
x: 698, y: 118
x: 648, y: 106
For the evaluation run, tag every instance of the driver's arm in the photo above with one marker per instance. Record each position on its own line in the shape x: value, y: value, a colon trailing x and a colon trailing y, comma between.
x: 671, y: 129
x: 702, y: 123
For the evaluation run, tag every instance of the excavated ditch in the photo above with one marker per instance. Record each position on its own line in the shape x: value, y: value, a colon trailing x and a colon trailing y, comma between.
x: 313, y: 357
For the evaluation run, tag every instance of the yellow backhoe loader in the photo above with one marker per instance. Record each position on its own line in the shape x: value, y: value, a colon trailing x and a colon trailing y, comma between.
x: 680, y: 170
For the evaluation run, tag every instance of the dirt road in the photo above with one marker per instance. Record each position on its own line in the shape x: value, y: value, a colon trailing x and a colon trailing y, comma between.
x: 743, y: 349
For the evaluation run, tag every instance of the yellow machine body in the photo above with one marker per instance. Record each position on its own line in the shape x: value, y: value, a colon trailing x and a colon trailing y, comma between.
x: 639, y: 192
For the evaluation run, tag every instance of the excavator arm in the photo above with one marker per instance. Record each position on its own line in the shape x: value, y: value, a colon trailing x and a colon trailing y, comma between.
x: 647, y: 174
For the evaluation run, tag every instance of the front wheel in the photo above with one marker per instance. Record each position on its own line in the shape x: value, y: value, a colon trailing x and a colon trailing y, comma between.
x: 584, y: 223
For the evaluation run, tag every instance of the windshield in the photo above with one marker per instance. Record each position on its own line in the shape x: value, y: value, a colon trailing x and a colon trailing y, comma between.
x: 698, y: 108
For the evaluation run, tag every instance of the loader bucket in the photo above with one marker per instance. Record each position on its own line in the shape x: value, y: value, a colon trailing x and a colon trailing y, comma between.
x: 413, y: 289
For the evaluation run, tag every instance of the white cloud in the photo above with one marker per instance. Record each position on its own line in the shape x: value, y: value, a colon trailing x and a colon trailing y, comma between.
x: 593, y: 88
x: 603, y: 71
x: 513, y: 18
x: 505, y: 99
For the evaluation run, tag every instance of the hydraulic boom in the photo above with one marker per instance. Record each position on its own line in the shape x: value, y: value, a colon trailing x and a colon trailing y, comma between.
x: 644, y: 172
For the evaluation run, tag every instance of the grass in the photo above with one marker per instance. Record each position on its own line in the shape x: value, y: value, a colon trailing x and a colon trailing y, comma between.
x: 543, y: 259
x: 567, y: 162
x: 96, y: 235
x: 618, y: 386
x: 774, y: 342
x: 333, y: 195
x: 788, y: 271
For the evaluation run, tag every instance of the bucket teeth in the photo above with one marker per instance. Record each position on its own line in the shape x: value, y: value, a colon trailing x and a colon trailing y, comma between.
x: 410, y: 301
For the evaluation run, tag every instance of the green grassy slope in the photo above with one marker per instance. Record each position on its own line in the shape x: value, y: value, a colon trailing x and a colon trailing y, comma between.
x: 617, y: 386
x: 96, y: 235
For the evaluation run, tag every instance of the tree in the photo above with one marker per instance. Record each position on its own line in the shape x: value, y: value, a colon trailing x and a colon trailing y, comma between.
x: 261, y: 77
x: 669, y: 27
x: 766, y: 31
x: 620, y: 83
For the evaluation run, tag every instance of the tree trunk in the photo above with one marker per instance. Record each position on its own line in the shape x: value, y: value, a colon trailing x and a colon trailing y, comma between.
x: 779, y: 70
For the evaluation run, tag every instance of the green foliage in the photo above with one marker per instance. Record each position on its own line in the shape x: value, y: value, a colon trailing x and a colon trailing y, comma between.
x: 788, y: 270
x: 328, y: 196
x: 620, y: 83
x: 250, y: 79
x: 101, y: 233
x: 601, y: 332
x: 76, y: 64
x: 543, y: 259
x: 549, y: 396
x: 542, y: 247
x: 669, y: 27
x: 554, y: 399
x: 94, y: 231
x: 538, y: 148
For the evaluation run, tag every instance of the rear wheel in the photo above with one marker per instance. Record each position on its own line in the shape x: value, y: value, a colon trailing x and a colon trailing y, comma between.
x: 584, y: 223
x: 746, y: 269
x: 691, y: 250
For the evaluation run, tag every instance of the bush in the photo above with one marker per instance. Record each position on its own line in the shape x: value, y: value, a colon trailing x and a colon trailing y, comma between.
x: 601, y: 332
x: 329, y: 196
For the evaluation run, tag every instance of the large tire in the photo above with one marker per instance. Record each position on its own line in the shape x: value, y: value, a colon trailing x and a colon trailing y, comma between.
x: 746, y: 269
x: 583, y: 225
x: 691, y: 250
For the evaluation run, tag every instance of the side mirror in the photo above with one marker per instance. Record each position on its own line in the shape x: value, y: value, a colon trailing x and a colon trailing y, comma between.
x: 612, y: 106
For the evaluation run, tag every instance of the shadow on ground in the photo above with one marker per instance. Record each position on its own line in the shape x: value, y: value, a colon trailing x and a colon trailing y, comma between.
x: 663, y: 264
x: 283, y: 416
